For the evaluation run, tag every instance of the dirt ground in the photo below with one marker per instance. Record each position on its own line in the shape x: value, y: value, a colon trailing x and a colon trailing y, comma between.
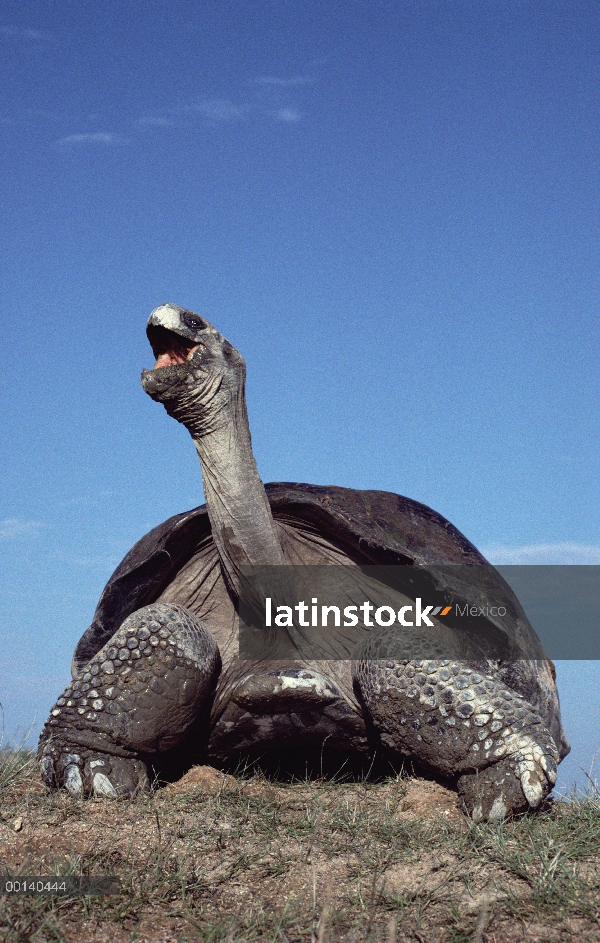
x: 218, y: 858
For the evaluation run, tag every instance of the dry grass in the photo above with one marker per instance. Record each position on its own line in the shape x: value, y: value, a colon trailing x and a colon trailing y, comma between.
x: 225, y: 859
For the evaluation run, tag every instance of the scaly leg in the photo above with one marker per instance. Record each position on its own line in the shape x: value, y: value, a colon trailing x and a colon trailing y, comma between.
x: 460, y: 720
x: 137, y: 696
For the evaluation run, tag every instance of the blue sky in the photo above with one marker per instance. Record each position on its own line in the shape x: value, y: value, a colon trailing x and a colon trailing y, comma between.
x: 390, y: 208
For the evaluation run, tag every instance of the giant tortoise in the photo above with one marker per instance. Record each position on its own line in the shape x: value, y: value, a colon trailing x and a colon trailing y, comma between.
x: 160, y: 664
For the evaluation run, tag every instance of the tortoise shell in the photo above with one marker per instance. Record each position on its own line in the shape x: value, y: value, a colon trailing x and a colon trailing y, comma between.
x: 370, y: 527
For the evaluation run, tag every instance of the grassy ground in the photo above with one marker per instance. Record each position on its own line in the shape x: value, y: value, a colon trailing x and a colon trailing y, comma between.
x: 218, y: 858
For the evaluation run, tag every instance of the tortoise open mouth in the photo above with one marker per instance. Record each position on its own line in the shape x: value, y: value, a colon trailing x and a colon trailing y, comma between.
x: 168, y: 347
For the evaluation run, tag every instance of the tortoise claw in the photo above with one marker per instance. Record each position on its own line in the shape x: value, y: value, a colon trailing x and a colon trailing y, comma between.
x: 532, y: 788
x: 73, y: 782
x: 87, y: 773
x: 549, y: 766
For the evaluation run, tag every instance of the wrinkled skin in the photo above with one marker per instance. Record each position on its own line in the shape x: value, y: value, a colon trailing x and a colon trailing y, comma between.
x: 171, y: 671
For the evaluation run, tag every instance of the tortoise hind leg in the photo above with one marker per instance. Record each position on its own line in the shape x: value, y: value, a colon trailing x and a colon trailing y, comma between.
x: 137, y: 696
x: 460, y: 720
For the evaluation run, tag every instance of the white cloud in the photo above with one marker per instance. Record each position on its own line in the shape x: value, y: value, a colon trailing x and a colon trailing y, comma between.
x: 212, y: 110
x: 13, y: 528
x: 16, y: 32
x: 558, y: 554
x: 287, y: 114
x: 92, y: 137
x: 274, y: 80
x: 220, y: 109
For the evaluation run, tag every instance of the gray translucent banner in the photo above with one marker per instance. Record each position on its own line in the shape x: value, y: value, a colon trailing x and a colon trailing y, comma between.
x: 562, y: 604
x: 53, y: 885
x: 466, y: 612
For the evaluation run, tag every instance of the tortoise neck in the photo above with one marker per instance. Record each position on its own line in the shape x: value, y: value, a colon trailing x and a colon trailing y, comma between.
x: 240, y: 515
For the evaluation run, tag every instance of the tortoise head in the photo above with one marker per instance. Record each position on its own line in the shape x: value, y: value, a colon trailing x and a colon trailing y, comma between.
x: 198, y: 375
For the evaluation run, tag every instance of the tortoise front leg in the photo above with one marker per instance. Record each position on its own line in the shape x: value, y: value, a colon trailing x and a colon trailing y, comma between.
x: 137, y: 696
x: 462, y: 721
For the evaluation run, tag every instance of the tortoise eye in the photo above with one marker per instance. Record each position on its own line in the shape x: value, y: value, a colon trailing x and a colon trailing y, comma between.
x: 194, y: 322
